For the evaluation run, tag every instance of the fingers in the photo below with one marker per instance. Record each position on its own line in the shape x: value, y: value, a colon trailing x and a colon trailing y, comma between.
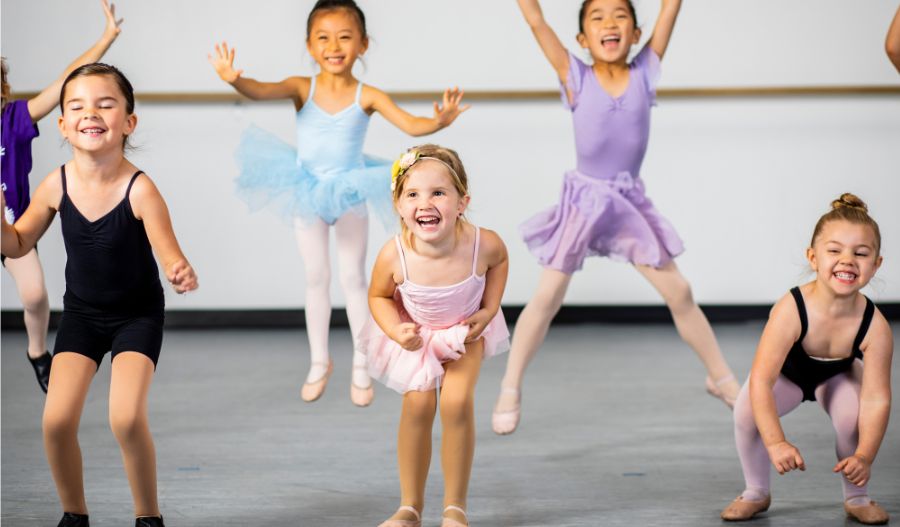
x: 840, y: 465
x: 798, y: 461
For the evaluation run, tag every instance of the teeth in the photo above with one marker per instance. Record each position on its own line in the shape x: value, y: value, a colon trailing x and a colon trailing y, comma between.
x: 845, y: 276
x: 610, y: 38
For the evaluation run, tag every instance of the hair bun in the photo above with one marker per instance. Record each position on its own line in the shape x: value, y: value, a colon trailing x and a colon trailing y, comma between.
x: 849, y: 200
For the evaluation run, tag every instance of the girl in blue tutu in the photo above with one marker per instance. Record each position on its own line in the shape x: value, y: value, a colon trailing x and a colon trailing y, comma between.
x: 326, y: 181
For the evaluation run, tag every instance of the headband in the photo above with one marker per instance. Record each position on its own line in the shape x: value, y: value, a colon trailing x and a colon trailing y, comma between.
x: 409, y: 159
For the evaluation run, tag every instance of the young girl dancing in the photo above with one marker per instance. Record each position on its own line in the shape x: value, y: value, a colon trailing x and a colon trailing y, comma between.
x: 113, y: 220
x: 327, y: 179
x: 19, y: 128
x: 435, y: 296
x: 603, y: 209
x: 812, y: 349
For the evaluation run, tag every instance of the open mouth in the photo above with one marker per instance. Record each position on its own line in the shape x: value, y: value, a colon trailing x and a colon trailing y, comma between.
x: 335, y: 61
x: 611, y: 42
x: 428, y: 222
x: 93, y: 131
x: 845, y: 277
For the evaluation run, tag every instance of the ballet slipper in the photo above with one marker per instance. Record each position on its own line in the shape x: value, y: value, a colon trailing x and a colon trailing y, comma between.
x: 715, y: 389
x: 361, y: 397
x: 71, y: 519
x: 450, y: 522
x: 404, y: 523
x: 741, y: 509
x: 507, y: 421
x: 871, y: 514
x: 41, y: 367
x: 311, y: 391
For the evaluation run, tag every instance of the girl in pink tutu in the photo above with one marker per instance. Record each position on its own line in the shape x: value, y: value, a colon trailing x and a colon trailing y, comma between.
x: 603, y: 210
x: 435, y: 302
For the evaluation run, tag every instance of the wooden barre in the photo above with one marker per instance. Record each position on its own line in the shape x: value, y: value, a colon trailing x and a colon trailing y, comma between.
x: 526, y: 95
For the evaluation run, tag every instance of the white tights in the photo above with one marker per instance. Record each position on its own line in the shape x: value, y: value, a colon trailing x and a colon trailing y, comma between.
x: 351, y: 231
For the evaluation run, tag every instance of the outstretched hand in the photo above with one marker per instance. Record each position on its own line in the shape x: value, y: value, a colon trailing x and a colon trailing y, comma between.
x: 112, y: 29
x: 223, y: 62
x: 785, y: 457
x: 857, y: 469
x: 182, y: 277
x: 407, y: 335
x: 449, y: 108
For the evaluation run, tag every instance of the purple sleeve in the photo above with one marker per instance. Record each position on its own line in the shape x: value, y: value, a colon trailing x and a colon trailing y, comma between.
x: 20, y: 121
x: 647, y: 63
x: 574, y: 81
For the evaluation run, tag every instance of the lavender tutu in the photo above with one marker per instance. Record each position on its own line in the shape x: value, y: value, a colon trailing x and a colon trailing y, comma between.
x: 601, y: 218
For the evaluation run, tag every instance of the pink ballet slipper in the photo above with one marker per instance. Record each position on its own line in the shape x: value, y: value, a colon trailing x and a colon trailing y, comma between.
x: 871, y: 514
x: 361, y: 397
x: 450, y: 522
x: 507, y: 421
x: 311, y: 391
x: 714, y: 389
x: 404, y: 523
x: 741, y: 509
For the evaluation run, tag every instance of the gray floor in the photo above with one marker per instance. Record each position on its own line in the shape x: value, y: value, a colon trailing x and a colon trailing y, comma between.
x: 617, y: 430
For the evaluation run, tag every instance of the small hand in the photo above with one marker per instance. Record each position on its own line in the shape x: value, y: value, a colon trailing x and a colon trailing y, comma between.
x: 785, y: 457
x: 857, y: 469
x: 407, y: 335
x: 477, y: 322
x: 182, y: 277
x: 112, y: 29
x: 449, y: 109
x: 223, y: 62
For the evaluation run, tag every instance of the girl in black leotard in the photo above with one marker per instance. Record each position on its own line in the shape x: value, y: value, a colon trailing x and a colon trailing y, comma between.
x: 113, y: 220
x: 812, y: 349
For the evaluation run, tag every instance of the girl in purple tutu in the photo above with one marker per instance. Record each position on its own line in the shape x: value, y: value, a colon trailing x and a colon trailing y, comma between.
x: 435, y: 302
x: 603, y: 210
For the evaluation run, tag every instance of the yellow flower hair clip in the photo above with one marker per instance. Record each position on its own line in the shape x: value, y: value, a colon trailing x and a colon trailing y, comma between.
x: 401, y: 165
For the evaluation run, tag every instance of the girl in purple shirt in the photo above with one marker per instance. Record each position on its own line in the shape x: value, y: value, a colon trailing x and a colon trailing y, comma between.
x: 603, y: 210
x: 19, y: 128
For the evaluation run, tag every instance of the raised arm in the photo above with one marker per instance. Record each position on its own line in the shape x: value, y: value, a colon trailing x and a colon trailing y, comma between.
x: 148, y: 206
x: 494, y: 251
x: 44, y: 102
x: 381, y: 300
x: 779, y: 335
x: 874, y: 401
x: 662, y: 32
x: 21, y: 237
x: 223, y: 63
x: 892, y: 41
x: 445, y: 112
x: 550, y: 44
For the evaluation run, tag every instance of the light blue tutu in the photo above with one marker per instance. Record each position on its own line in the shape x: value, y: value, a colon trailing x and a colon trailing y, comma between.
x: 272, y: 176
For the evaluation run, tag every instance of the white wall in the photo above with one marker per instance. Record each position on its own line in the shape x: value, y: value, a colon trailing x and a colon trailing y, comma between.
x: 742, y: 179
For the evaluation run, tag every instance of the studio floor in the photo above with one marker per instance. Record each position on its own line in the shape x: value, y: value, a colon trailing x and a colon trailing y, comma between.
x: 617, y: 430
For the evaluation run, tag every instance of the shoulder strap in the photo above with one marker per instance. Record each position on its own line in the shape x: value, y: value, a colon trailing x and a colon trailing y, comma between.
x: 402, y: 256
x: 477, y: 244
x: 863, y: 327
x: 131, y: 183
x: 359, y: 86
x: 312, y: 88
x: 801, y: 308
x: 65, y: 188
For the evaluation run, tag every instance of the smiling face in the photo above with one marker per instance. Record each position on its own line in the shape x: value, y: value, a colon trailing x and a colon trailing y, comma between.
x: 336, y: 40
x: 844, y: 256
x: 95, y: 114
x: 609, y: 30
x: 429, y: 203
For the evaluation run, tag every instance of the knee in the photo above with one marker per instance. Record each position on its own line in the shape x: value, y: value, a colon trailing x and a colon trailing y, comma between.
x: 419, y: 409
x: 126, y: 424
x: 744, y: 423
x: 353, y: 280
x: 548, y: 302
x: 679, y: 296
x: 846, y: 424
x: 58, y: 427
x: 456, y: 408
x: 34, y: 298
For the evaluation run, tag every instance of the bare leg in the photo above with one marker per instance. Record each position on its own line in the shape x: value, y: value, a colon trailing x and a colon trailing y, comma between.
x: 70, y: 379
x: 352, y: 232
x: 692, y: 324
x: 414, y: 449
x: 530, y: 331
x: 29, y: 278
x: 312, y: 239
x: 458, y: 422
x: 132, y: 374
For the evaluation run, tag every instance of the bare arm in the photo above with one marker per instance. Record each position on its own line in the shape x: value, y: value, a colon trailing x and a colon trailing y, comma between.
x: 148, y: 206
x: 381, y: 300
x: 779, y: 335
x: 43, y: 103
x: 662, y: 32
x: 445, y: 112
x: 892, y: 41
x: 550, y: 44
x: 497, y: 258
x: 21, y: 237
x: 223, y: 63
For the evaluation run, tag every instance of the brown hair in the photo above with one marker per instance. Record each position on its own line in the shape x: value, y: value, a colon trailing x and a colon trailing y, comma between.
x: 458, y: 175
x: 327, y: 6
x: 98, y: 68
x: 852, y: 209
x: 5, y: 87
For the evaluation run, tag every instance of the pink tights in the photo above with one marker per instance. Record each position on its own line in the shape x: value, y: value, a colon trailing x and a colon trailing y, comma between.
x: 838, y: 396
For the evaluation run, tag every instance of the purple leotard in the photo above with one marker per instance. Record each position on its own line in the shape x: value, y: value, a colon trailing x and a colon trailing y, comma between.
x: 18, y: 130
x: 603, y: 210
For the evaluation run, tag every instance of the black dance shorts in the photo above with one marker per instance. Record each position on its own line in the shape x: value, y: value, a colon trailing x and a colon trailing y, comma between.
x: 93, y: 335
